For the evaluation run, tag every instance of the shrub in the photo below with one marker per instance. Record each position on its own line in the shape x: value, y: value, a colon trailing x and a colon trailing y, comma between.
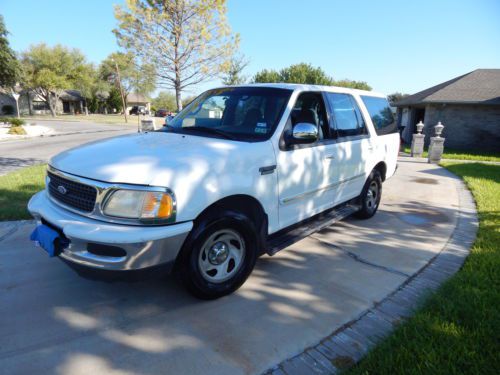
x: 16, y: 122
x: 5, y: 120
x: 7, y: 109
x: 17, y: 130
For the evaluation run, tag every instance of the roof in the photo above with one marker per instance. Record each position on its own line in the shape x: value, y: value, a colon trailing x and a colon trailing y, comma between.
x: 137, y: 98
x: 304, y: 87
x: 481, y: 86
x: 71, y: 95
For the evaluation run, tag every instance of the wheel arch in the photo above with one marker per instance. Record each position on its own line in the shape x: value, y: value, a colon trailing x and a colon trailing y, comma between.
x: 238, y: 204
x: 242, y: 203
x: 382, y: 168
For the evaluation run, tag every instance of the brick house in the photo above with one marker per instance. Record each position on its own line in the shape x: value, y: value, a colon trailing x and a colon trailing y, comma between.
x: 468, y: 106
x: 70, y: 102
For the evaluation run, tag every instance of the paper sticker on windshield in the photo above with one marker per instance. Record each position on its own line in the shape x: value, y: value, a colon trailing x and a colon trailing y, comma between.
x: 262, y: 124
x: 261, y: 130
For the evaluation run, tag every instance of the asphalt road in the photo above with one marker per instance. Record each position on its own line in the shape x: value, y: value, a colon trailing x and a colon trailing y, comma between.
x: 54, y: 322
x: 29, y: 151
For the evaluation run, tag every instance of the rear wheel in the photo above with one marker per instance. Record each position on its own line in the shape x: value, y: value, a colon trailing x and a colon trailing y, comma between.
x: 370, y: 196
x: 219, y: 255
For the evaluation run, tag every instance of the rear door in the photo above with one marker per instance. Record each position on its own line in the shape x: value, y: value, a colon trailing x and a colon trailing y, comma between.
x: 354, y: 146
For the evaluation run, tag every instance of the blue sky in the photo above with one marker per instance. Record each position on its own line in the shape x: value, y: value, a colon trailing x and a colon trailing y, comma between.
x: 402, y: 46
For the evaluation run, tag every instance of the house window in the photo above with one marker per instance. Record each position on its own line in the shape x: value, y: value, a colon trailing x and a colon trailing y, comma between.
x: 39, y: 105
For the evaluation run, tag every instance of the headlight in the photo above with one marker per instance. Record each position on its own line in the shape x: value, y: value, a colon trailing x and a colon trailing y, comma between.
x: 146, y: 206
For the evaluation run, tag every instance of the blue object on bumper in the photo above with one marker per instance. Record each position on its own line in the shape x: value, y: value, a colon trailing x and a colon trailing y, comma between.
x: 49, y: 240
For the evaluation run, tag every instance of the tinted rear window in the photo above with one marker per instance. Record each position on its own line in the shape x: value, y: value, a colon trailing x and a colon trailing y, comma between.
x: 381, y: 114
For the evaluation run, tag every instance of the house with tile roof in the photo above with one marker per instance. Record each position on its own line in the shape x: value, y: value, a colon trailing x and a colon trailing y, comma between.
x: 468, y: 106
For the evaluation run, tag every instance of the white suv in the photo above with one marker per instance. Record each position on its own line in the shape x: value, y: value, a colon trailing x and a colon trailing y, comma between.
x: 240, y: 172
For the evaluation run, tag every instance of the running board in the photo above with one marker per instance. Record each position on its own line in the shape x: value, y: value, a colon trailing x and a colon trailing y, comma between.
x: 288, y: 236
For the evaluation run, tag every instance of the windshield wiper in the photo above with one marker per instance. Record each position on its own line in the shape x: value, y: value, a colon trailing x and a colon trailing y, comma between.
x: 205, y: 129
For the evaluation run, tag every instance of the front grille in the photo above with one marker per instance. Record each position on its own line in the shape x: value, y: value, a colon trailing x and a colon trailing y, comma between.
x: 71, y: 193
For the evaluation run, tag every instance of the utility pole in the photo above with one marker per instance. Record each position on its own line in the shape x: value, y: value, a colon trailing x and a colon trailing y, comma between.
x: 121, y: 90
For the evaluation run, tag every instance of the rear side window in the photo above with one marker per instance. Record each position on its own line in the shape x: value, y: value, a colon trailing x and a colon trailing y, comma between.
x: 346, y: 115
x: 381, y: 114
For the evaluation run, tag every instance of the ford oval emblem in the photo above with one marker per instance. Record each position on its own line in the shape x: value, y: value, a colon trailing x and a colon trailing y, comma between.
x: 61, y: 189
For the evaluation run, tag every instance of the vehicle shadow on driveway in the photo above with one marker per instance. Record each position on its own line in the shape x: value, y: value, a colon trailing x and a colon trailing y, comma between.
x: 53, y: 321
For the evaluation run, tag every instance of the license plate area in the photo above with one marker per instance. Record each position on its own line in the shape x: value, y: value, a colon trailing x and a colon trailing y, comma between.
x: 50, y: 238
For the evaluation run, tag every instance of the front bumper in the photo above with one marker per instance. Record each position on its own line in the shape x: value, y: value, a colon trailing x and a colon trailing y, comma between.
x: 142, y: 246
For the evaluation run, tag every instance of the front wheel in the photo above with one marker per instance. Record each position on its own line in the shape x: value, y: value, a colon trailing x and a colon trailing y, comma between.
x: 219, y: 256
x: 370, y: 196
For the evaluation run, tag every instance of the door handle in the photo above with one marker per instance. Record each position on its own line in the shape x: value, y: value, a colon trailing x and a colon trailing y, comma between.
x: 267, y: 170
x: 329, y: 157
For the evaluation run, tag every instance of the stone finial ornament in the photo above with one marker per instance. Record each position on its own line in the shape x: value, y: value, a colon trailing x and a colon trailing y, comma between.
x: 438, y: 129
x: 436, y: 146
x: 420, y: 127
x: 417, y: 143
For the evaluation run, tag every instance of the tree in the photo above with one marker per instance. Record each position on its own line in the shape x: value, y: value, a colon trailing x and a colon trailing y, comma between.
x: 165, y: 100
x: 233, y: 75
x: 396, y: 97
x: 188, y: 41
x: 9, y: 66
x: 10, y: 70
x: 305, y: 74
x: 134, y: 77
x: 114, y: 100
x: 298, y: 73
x: 360, y: 85
x: 267, y: 76
x: 50, y: 70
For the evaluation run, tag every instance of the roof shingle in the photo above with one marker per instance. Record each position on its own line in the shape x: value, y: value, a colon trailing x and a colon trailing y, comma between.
x: 481, y: 86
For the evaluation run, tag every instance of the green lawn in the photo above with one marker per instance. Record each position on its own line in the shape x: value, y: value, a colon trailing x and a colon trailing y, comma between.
x: 98, y: 118
x: 464, y: 155
x: 16, y: 188
x: 457, y: 330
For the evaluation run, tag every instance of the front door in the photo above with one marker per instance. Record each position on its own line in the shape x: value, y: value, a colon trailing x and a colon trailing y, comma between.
x: 306, y: 172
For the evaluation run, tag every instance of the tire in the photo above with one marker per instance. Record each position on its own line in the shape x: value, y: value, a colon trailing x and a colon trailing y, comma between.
x: 369, y: 198
x: 218, y: 255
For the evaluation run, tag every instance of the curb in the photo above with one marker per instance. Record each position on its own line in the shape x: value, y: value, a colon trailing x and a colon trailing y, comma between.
x: 348, y: 344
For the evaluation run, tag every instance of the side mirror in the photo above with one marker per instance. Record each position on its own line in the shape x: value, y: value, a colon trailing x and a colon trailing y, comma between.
x: 305, y: 132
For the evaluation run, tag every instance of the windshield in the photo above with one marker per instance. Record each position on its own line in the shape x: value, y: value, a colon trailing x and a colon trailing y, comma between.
x: 238, y: 113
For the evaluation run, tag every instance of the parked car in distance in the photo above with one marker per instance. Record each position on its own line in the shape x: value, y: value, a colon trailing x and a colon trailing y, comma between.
x: 161, y: 113
x: 233, y: 176
x: 138, y: 110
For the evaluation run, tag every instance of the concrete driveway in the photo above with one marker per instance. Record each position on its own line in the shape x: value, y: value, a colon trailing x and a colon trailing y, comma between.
x: 23, y: 152
x: 53, y: 321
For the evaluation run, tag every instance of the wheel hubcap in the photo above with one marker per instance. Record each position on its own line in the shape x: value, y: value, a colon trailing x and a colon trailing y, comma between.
x: 218, y: 253
x: 372, y: 196
x: 221, y: 256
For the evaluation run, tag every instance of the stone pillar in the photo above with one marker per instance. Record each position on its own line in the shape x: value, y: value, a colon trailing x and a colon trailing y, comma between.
x: 436, y: 146
x: 147, y: 125
x: 417, y: 143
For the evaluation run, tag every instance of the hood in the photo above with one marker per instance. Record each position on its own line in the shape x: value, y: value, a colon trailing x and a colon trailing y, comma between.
x: 154, y: 158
